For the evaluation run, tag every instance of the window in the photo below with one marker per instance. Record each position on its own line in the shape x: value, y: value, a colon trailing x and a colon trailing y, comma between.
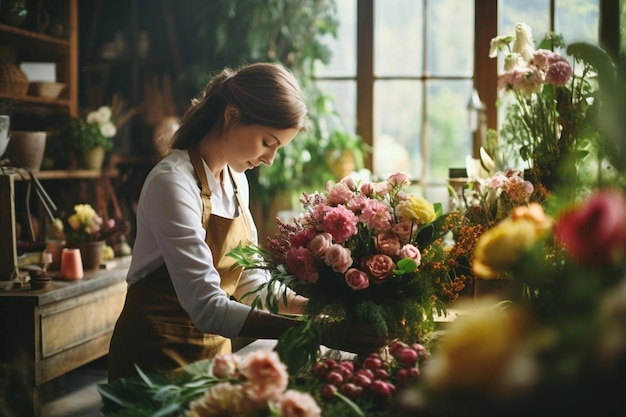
x: 402, y: 74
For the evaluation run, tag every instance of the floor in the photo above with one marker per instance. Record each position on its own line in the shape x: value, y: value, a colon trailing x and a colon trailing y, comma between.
x: 75, y: 394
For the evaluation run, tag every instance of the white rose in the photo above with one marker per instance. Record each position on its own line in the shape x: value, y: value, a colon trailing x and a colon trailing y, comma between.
x: 108, y: 130
x: 104, y: 114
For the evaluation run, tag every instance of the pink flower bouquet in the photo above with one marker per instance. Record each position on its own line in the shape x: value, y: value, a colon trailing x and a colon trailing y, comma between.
x: 362, y: 251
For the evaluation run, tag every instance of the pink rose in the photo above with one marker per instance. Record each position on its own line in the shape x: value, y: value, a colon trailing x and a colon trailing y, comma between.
x: 381, y: 188
x: 266, y: 376
x: 411, y: 252
x: 357, y: 279
x: 403, y: 230
x: 595, y: 232
x: 338, y: 257
x: 379, y: 267
x: 225, y: 365
x: 340, y: 223
x: 350, y: 182
x: 367, y: 188
x: 298, y: 404
x: 399, y: 179
x: 388, y: 244
x: 301, y: 263
x: 319, y: 244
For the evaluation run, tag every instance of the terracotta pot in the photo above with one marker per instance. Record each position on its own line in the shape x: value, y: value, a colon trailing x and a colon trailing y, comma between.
x: 27, y: 148
x: 55, y: 247
x: 90, y: 253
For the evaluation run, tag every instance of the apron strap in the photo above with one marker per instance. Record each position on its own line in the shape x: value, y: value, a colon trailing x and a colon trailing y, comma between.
x: 205, y: 191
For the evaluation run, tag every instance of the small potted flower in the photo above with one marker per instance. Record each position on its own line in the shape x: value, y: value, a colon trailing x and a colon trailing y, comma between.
x: 88, y: 138
x: 86, y: 230
x: 93, y: 137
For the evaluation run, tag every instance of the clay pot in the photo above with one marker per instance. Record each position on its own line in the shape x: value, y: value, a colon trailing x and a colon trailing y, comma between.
x: 26, y: 149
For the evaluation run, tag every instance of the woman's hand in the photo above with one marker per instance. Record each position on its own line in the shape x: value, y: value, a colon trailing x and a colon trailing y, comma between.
x: 295, y: 305
x: 356, y: 337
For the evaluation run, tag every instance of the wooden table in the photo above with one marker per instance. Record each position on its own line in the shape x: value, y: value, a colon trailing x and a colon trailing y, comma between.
x: 45, y: 334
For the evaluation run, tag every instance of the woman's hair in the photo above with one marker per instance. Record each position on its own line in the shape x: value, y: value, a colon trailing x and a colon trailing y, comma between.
x: 265, y: 94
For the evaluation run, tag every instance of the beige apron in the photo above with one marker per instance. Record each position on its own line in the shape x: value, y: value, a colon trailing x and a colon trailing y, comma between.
x: 153, y: 331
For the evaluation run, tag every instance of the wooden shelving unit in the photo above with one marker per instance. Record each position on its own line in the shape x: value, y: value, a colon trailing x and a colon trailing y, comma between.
x: 30, y: 45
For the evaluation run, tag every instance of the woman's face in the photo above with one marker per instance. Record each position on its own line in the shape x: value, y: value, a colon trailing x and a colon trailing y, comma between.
x: 248, y: 146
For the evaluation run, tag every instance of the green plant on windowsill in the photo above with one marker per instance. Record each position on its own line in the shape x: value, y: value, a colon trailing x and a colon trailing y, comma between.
x: 326, y: 151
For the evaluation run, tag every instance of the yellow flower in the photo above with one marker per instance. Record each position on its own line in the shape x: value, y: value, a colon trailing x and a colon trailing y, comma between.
x: 107, y: 253
x: 500, y: 248
x: 416, y: 209
x: 483, y: 351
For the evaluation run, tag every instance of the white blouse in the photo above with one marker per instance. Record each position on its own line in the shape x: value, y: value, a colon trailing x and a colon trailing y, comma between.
x: 169, y: 218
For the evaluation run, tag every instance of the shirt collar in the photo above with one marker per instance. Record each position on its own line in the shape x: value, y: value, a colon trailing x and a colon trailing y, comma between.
x: 214, y: 185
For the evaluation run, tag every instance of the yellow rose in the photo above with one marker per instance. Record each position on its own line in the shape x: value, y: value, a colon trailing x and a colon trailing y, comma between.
x: 500, y: 248
x: 478, y: 351
x: 416, y: 209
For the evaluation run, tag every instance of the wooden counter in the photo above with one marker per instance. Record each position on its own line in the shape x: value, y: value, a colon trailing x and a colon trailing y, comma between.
x: 45, y: 334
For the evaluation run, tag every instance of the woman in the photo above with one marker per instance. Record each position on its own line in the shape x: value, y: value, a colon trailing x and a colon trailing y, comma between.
x: 184, y: 300
x: 193, y: 209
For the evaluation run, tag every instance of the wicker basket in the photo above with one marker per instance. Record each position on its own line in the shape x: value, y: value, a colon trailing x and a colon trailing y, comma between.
x: 13, y: 81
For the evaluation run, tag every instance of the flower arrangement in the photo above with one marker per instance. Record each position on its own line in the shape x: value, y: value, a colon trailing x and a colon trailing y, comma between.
x: 490, y: 195
x: 259, y: 385
x: 78, y: 136
x: 363, y: 252
x: 85, y: 225
x: 561, y: 349
x: 549, y: 119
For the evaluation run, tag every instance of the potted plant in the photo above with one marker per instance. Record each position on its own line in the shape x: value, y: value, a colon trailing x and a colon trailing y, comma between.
x: 84, y: 141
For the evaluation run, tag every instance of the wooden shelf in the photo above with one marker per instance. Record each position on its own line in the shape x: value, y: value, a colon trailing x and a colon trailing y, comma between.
x: 16, y: 36
x: 70, y: 174
x: 60, y: 102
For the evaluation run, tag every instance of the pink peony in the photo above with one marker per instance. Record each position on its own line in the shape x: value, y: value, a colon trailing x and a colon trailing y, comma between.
x: 595, y: 232
x: 411, y: 252
x: 356, y: 279
x: 357, y: 204
x: 543, y: 58
x: 225, y: 365
x: 388, y: 244
x: 559, y: 73
x: 379, y: 267
x: 376, y: 215
x: 340, y: 223
x: 266, y: 375
x: 319, y: 244
x: 301, y: 263
x: 339, y: 194
x: 303, y: 238
x: 338, y: 257
x: 298, y: 404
